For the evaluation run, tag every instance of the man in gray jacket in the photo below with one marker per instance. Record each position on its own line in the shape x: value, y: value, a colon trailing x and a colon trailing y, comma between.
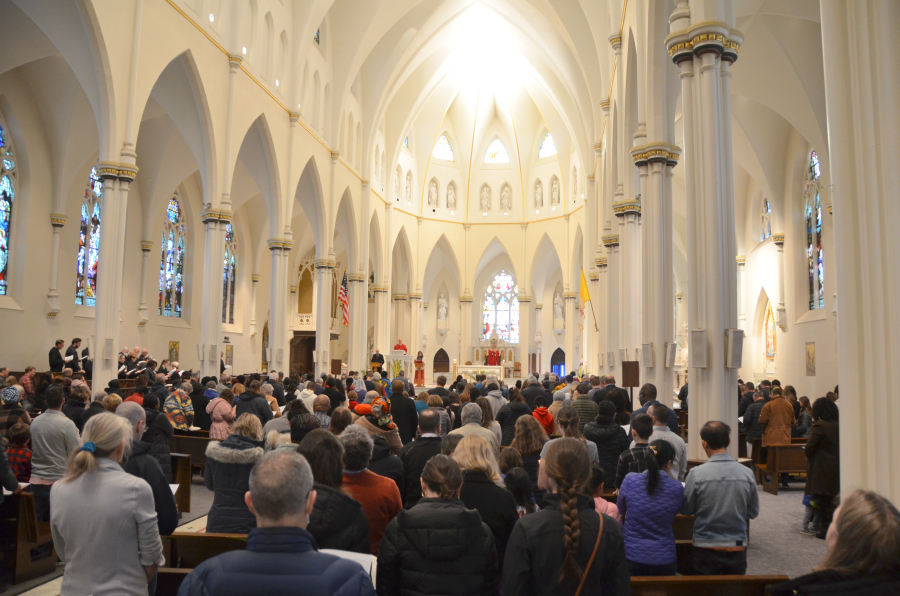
x: 53, y: 439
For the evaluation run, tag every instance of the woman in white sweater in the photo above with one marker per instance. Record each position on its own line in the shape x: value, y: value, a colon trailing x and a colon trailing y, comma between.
x: 103, y: 519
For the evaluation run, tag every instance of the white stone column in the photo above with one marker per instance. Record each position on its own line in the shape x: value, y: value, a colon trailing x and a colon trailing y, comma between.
x: 382, y: 320
x: 629, y: 214
x: 383, y: 341
x: 602, y: 280
x: 524, y: 306
x: 780, y: 312
x: 57, y: 220
x: 707, y: 49
x: 592, y: 324
x: 571, y: 301
x: 146, y: 247
x: 862, y: 78
x: 356, y: 290
x: 613, y: 340
x: 415, y: 333
x: 117, y: 178
x: 279, y: 342
x: 214, y: 222
x: 465, y: 332
x: 539, y: 341
x: 324, y: 275
x: 741, y: 261
x: 254, y: 282
x: 400, y: 320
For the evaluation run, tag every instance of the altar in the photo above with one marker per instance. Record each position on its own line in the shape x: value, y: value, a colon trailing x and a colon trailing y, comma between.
x: 468, y: 371
x: 396, y: 361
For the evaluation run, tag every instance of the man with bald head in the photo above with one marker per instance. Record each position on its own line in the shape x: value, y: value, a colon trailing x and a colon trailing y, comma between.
x: 320, y: 410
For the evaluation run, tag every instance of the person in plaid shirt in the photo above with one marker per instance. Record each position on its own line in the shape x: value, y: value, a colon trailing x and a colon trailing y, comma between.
x: 635, y: 459
x: 27, y: 381
x: 19, y: 454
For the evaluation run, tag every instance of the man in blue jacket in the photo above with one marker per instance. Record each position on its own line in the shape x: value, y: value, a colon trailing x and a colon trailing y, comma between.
x: 281, y: 556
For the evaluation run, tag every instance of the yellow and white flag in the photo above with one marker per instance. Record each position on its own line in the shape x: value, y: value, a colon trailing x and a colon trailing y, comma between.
x: 584, y: 298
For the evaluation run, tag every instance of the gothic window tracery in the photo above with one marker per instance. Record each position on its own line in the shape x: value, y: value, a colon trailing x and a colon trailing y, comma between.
x: 229, y: 273
x: 500, y: 309
x: 813, y: 218
x: 171, y: 265
x: 89, y: 242
x: 7, y: 200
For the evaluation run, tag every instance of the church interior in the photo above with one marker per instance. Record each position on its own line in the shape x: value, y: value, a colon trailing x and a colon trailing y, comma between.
x: 700, y: 187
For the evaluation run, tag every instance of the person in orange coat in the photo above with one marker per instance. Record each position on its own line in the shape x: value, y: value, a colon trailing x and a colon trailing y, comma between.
x: 777, y: 419
x: 543, y: 415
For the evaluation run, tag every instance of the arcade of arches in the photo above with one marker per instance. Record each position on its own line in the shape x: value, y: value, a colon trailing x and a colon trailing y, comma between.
x: 204, y: 177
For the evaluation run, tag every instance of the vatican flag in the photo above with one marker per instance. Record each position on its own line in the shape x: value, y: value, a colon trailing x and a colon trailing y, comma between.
x: 584, y: 297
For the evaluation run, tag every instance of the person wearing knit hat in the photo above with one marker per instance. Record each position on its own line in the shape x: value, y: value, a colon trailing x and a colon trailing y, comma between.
x: 376, y: 418
x: 11, y: 412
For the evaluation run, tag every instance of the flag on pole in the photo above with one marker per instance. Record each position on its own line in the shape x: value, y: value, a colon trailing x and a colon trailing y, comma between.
x: 584, y: 297
x: 344, y: 299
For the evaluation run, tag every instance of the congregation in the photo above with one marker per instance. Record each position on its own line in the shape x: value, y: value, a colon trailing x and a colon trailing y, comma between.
x: 547, y: 486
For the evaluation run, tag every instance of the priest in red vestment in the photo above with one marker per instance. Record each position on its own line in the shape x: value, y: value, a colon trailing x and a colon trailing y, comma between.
x: 400, y: 346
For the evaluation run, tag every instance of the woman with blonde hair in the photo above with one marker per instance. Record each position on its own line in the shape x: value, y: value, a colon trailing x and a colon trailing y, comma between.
x: 863, y: 551
x: 483, y: 489
x: 111, y: 402
x: 227, y: 474
x: 104, y: 521
x: 487, y: 418
x: 567, y: 547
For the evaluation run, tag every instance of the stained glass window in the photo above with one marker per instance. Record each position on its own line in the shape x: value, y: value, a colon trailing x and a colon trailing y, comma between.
x: 406, y: 141
x: 496, y: 153
x: 814, y: 257
x: 765, y: 220
x: 7, y: 198
x: 171, y: 264
x: 89, y: 242
x: 548, y: 147
x: 317, y: 37
x: 500, y: 311
x: 229, y: 273
x: 442, y: 149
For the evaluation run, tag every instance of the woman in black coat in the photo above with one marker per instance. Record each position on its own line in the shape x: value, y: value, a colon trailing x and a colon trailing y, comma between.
x: 482, y: 490
x: 540, y: 561
x: 823, y: 460
x: 863, y: 552
x: 337, y: 520
x: 509, y: 413
x: 609, y: 437
x: 438, y: 546
x: 159, y: 431
x: 227, y: 474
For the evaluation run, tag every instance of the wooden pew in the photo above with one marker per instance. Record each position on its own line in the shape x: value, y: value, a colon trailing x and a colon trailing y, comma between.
x: 193, y: 446
x: 20, y: 532
x: 742, y: 445
x: 181, y: 475
x: 781, y: 459
x: 754, y: 455
x: 709, y: 585
x: 187, y: 550
x: 168, y: 580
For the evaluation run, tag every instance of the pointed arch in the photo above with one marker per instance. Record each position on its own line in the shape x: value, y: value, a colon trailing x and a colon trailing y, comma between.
x: 577, y: 264
x: 402, y: 281
x: 309, y: 196
x: 346, y: 229
x: 545, y: 262
x: 257, y: 154
x: 376, y: 258
x: 442, y: 264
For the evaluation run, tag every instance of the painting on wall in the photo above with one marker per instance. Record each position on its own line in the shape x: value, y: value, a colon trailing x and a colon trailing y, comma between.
x: 811, y: 359
x: 173, y: 351
x: 229, y: 355
x: 771, y: 345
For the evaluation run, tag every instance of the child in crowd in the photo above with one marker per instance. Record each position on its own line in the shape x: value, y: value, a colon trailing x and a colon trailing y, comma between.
x: 595, y: 489
x: 518, y: 483
x: 19, y: 453
x: 810, y: 515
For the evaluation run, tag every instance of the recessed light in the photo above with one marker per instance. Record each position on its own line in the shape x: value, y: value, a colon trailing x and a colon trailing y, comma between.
x: 553, y: 209
x: 299, y: 105
x: 451, y: 213
x: 244, y: 50
x: 582, y: 195
x: 409, y: 203
x: 537, y: 211
x: 506, y: 215
x: 211, y: 17
x: 276, y: 82
x: 484, y: 214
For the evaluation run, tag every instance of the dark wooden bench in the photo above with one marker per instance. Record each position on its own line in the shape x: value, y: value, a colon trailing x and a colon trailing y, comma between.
x: 708, y: 585
x: 781, y: 459
x: 193, y: 446
x: 168, y: 580
x: 20, y: 532
x: 181, y: 475
x: 187, y: 550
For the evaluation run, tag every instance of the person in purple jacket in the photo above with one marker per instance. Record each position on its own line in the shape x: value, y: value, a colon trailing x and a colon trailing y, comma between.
x: 649, y: 502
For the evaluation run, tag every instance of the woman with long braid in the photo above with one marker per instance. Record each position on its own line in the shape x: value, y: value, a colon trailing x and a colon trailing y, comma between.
x: 567, y: 548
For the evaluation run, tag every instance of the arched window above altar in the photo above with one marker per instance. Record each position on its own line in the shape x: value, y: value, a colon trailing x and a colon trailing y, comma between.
x: 500, y: 309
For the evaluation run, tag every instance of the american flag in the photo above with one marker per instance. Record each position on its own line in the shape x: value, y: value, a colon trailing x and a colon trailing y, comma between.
x: 345, y: 301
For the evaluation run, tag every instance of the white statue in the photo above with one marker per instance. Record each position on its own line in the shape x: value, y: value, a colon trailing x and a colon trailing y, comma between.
x: 485, y: 198
x: 765, y: 217
x: 558, y: 307
x: 554, y: 193
x: 397, y: 184
x: 574, y: 184
x: 442, y: 308
x: 538, y: 195
x: 506, y: 198
x: 451, y: 197
x: 432, y: 194
x: 409, y: 185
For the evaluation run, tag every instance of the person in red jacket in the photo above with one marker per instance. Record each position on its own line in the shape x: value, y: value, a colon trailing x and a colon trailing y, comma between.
x: 542, y: 414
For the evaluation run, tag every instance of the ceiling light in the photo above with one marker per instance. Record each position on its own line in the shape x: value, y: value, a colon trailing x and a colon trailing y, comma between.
x: 299, y: 105
x: 276, y: 82
x: 451, y: 213
x: 409, y: 203
x: 484, y: 214
x: 553, y: 209
x: 211, y: 17
x: 537, y: 211
x: 582, y: 195
x: 244, y: 50
x: 506, y: 215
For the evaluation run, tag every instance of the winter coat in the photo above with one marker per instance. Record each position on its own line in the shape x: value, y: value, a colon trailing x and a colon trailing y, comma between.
x: 391, y: 436
x: 200, y: 401
x: 255, y: 404
x: 804, y: 425
x: 497, y: 401
x: 385, y: 464
x: 834, y: 583
x: 74, y: 410
x: 823, y: 466
x: 281, y: 560
x: 414, y: 457
x: 406, y: 418
x: 649, y: 538
x: 338, y: 521
x: 531, y: 393
x: 227, y: 474
x: 445, y: 421
x: 180, y: 410
x: 535, y: 554
x: 159, y: 431
x: 221, y: 415
x: 92, y: 410
x: 751, y: 420
x: 745, y: 403
x: 437, y: 547
x: 587, y: 411
x: 531, y: 464
x: 777, y: 418
x: 544, y: 416
x: 308, y: 396
x: 611, y: 441
x: 507, y: 417
x: 495, y: 504
x: 143, y: 465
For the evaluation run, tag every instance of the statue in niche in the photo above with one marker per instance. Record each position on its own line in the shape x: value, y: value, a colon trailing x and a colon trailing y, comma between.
x: 554, y: 193
x: 574, y: 185
x: 432, y: 194
x: 558, y: 307
x: 485, y: 198
x: 451, y: 197
x: 765, y: 218
x: 506, y: 198
x: 409, y: 186
x: 397, y: 184
x: 538, y: 195
x: 442, y: 308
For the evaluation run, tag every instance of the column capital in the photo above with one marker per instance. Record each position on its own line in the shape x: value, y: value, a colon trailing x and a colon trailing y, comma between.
x: 467, y: 298
x: 285, y: 244
x: 356, y: 277
x: 604, y: 105
x: 593, y: 276
x: 538, y: 306
x: 254, y: 278
x: 829, y: 206
x: 678, y: 296
x: 335, y: 155
x: 325, y: 264
x: 523, y: 297
x: 778, y: 239
x: 235, y: 60
x: 146, y: 245
x: 400, y: 297
x: 656, y: 152
x: 524, y: 224
x: 114, y: 170
x: 610, y: 241
x: 740, y: 259
x: 615, y: 40
x: 598, y: 149
x: 210, y: 215
x: 415, y: 296
x: 623, y: 208
x: 601, y: 262
x: 365, y: 184
x: 57, y: 220
x: 294, y: 117
x: 467, y: 226
x: 380, y: 289
x: 293, y: 289
x: 570, y: 295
